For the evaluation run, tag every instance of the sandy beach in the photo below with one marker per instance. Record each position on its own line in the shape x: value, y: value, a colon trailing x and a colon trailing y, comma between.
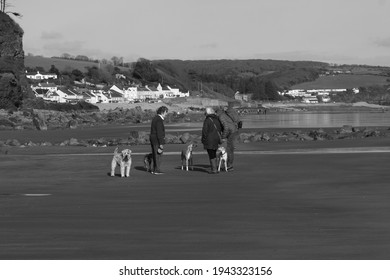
x: 287, y: 201
x: 284, y: 201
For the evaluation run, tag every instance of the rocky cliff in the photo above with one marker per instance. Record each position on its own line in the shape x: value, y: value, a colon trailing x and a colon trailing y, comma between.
x: 13, y: 84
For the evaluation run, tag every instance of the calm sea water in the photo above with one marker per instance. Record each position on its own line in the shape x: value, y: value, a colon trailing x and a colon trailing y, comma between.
x: 272, y: 120
x: 312, y: 120
x: 317, y: 120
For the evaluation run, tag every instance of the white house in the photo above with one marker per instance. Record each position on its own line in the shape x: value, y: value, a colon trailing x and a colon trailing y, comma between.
x: 115, y: 97
x: 40, y: 92
x: 40, y: 76
x: 243, y: 96
x: 101, y: 96
x: 47, y: 85
x: 144, y: 93
x: 176, y: 92
x: 67, y: 95
x: 54, y: 97
x: 130, y: 94
x: 311, y: 99
x: 88, y: 96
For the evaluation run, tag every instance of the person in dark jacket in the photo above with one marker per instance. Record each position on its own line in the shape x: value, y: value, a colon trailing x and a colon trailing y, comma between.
x: 211, y: 139
x: 229, y: 134
x: 157, y: 138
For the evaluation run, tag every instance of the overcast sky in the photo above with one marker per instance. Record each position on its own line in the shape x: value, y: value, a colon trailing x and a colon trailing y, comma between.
x: 335, y: 31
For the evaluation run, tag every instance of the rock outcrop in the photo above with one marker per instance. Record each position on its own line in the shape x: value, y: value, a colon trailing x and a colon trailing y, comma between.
x: 13, y: 84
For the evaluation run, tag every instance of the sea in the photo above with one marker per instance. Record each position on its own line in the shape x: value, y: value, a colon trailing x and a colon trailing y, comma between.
x: 311, y: 120
x: 284, y: 120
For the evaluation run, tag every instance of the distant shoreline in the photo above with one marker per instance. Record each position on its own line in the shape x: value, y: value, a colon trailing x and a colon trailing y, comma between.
x: 183, y: 107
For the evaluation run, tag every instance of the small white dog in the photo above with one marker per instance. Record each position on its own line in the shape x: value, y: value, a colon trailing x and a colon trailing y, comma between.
x: 123, y: 160
x: 222, y: 158
x: 187, y: 158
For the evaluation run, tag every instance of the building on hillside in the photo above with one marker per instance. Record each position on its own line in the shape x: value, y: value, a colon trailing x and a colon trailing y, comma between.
x: 156, y: 94
x: 295, y: 92
x: 47, y: 85
x: 177, y: 93
x: 243, y: 96
x: 146, y: 92
x: 40, y: 92
x: 101, y: 96
x: 41, y: 76
x: 115, y: 97
x: 165, y: 91
x: 143, y: 93
x: 87, y: 95
x: 52, y: 97
x: 130, y: 94
x: 46, y: 94
x: 310, y: 99
x: 68, y: 96
x: 325, y: 99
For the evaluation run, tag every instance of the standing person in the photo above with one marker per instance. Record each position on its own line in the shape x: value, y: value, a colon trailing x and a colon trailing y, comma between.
x: 211, y: 138
x: 229, y: 120
x: 157, y: 138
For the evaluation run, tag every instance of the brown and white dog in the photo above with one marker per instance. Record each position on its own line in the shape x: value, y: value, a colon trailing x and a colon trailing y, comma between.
x: 187, y: 158
x: 123, y: 160
x: 222, y: 158
x: 148, y: 158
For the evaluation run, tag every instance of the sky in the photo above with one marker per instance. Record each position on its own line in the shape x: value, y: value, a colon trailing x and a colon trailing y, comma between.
x: 333, y: 31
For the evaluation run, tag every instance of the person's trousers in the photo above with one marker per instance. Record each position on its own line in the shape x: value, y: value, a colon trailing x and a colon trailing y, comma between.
x: 156, y: 158
x: 213, y: 160
x: 230, y: 147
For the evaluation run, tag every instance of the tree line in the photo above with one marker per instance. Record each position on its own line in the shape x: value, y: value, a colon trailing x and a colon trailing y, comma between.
x: 116, y: 61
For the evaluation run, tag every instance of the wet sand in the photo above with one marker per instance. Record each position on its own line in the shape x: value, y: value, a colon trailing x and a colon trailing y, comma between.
x: 289, y: 201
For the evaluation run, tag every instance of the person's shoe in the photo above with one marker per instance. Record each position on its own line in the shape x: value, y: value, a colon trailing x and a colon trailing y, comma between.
x: 158, y: 173
x: 230, y: 169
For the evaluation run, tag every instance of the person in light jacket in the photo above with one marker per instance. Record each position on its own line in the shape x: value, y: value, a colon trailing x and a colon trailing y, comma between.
x: 211, y: 139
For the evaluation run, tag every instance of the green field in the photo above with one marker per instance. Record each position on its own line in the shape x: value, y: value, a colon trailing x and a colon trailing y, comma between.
x: 60, y: 64
x: 344, y: 81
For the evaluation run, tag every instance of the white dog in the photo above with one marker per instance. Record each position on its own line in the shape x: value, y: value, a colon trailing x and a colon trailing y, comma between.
x: 222, y: 157
x: 187, y: 158
x: 122, y: 159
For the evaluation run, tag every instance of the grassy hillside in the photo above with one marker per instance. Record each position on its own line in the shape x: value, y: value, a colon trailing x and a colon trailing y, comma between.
x: 60, y: 64
x: 222, y: 78
x: 344, y: 81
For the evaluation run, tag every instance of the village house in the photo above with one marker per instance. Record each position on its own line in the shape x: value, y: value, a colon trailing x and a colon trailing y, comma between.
x: 40, y: 76
x: 47, y: 85
x: 68, y: 96
x: 243, y: 96
x: 87, y: 95
x: 54, y: 97
x: 101, y: 96
x: 144, y: 93
x: 115, y: 97
x: 40, y: 92
x: 310, y: 99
